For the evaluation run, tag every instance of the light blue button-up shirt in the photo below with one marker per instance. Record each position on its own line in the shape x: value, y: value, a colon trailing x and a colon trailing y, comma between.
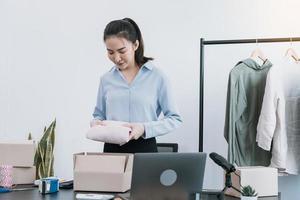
x: 141, y: 101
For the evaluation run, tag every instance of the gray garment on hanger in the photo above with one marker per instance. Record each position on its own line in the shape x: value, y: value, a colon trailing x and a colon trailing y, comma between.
x: 246, y: 86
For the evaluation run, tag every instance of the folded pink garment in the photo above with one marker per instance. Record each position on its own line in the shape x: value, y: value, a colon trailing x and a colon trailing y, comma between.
x: 112, y: 132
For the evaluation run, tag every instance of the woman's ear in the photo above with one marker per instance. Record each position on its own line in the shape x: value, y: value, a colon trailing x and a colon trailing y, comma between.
x: 136, y: 45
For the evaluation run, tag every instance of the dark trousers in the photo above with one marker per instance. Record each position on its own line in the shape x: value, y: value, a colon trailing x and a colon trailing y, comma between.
x: 140, y: 145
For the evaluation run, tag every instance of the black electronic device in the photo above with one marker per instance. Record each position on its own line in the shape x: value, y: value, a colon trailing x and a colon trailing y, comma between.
x: 66, y: 185
x: 163, y: 176
x: 222, y: 162
x: 229, y: 168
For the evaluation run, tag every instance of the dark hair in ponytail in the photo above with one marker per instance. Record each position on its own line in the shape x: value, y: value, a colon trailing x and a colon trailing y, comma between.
x: 129, y: 30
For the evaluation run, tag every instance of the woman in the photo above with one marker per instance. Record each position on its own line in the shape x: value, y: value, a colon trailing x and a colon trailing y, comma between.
x: 134, y: 91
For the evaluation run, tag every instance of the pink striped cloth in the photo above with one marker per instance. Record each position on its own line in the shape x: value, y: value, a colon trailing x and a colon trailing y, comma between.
x: 6, y: 176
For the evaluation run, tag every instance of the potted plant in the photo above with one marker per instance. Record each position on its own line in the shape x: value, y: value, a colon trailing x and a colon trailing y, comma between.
x: 248, y: 193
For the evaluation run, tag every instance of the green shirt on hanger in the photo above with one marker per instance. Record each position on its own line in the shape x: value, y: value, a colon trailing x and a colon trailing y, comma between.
x: 246, y: 86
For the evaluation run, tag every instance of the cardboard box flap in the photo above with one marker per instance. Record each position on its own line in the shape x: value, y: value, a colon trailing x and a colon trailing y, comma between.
x: 129, y: 163
x: 126, y: 163
x: 96, y: 163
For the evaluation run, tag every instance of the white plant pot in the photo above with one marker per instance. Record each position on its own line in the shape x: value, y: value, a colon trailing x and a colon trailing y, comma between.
x: 248, y: 198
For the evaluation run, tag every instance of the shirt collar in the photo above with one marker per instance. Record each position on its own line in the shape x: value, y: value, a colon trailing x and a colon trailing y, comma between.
x: 147, y: 65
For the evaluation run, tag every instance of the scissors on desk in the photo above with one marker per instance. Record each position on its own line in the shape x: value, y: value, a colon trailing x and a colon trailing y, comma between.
x: 5, y: 190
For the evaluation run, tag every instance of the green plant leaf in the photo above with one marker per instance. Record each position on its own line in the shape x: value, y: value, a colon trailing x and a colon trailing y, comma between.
x: 44, y: 157
x: 248, y: 191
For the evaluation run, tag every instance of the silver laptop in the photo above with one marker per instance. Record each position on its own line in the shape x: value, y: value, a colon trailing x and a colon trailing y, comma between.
x: 167, y: 176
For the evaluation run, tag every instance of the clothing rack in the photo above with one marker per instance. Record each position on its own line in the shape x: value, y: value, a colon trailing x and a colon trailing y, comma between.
x: 203, y: 43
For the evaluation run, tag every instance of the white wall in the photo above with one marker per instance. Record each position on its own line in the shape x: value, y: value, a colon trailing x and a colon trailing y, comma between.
x: 52, y: 55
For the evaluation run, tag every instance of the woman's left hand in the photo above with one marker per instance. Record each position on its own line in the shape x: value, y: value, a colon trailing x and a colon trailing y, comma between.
x: 137, y: 130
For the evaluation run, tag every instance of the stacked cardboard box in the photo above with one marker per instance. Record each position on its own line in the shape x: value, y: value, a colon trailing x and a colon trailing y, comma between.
x: 102, y: 172
x: 19, y: 154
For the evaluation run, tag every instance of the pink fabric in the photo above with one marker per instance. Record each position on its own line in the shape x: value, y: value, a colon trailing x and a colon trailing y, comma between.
x: 6, y: 176
x: 112, y: 132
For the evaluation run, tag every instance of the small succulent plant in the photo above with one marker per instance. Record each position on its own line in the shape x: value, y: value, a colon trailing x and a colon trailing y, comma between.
x: 248, y: 191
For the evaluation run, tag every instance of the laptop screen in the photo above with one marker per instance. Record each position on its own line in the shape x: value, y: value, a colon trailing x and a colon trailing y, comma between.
x: 167, y: 175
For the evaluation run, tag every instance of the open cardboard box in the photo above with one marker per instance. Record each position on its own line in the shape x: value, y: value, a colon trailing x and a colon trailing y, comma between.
x: 263, y: 179
x: 17, y: 153
x: 105, y: 172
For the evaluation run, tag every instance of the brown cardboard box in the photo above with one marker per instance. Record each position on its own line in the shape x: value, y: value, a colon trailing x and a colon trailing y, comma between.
x: 17, y: 153
x: 23, y: 175
x: 263, y: 179
x: 102, y: 172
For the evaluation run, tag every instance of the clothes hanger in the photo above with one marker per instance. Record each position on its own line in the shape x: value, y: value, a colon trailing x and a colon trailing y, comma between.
x: 291, y: 53
x: 257, y: 55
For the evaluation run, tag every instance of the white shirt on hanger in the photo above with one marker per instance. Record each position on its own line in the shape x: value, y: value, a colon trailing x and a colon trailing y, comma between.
x: 279, y: 120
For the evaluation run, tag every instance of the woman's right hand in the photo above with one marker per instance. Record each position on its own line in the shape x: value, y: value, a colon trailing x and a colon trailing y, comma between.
x: 96, y: 122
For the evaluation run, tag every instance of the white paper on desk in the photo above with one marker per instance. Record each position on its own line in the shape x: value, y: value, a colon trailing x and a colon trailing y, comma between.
x: 80, y: 196
x: 112, y: 132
